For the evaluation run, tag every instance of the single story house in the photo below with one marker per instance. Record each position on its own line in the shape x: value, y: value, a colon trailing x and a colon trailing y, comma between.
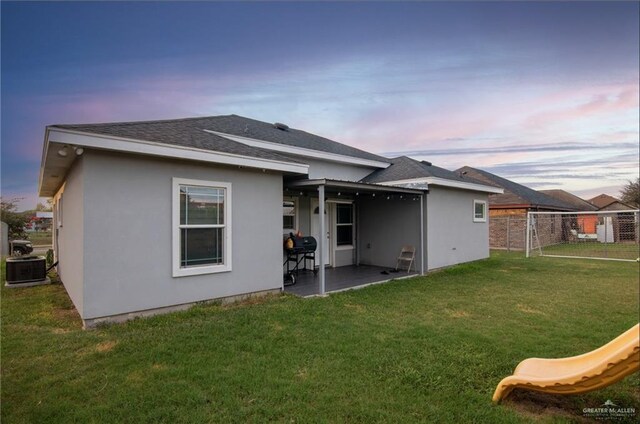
x: 623, y: 223
x: 154, y: 216
x: 604, y: 202
x: 508, y: 210
x: 623, y: 220
x: 585, y: 224
x: 41, y: 221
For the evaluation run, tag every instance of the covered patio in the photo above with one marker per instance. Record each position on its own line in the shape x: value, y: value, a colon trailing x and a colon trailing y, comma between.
x: 344, y: 278
x: 379, y: 221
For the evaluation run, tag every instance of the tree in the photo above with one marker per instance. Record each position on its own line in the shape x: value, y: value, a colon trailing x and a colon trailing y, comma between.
x: 630, y: 193
x: 42, y: 207
x: 14, y: 220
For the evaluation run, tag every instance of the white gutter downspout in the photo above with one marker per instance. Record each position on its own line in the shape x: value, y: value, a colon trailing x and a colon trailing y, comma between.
x: 422, y: 234
x: 321, y: 240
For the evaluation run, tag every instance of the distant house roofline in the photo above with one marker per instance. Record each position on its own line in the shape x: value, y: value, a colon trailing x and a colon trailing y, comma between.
x: 405, y: 171
x: 603, y: 200
x: 515, y: 195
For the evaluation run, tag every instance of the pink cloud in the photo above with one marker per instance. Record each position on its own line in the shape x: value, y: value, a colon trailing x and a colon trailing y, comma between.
x: 513, y: 119
x: 599, y: 104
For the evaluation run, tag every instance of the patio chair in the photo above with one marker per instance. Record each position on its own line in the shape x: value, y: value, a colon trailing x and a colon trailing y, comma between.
x: 407, y: 254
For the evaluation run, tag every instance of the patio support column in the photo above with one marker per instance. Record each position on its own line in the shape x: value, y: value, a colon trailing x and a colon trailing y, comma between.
x: 422, y: 234
x: 322, y: 239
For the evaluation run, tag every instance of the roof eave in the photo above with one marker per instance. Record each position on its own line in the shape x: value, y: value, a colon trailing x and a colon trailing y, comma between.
x: 144, y: 147
x: 443, y: 182
x: 45, y: 148
x: 353, y: 186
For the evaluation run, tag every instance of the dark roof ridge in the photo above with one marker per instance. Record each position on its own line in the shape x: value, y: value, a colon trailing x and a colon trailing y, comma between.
x: 152, y: 121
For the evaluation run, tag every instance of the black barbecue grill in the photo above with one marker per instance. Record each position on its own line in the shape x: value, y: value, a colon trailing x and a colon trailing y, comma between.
x: 303, y: 250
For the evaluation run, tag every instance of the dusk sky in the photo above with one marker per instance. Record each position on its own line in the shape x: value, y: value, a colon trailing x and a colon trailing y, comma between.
x: 545, y: 94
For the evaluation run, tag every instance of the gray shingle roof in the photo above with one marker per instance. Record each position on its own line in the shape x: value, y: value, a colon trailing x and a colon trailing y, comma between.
x: 603, y: 201
x: 247, y: 127
x: 573, y: 200
x: 514, y: 193
x: 181, y: 132
x: 190, y: 132
x: 405, y: 168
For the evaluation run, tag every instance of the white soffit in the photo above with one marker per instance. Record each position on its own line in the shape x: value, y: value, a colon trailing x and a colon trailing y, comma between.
x: 448, y: 183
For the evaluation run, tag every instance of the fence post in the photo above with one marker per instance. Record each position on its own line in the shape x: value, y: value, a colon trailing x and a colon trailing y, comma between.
x: 606, y: 240
x: 527, y: 234
x: 636, y: 226
x: 508, y: 233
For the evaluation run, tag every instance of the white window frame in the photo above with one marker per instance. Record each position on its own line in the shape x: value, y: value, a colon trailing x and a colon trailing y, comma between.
x: 178, y: 270
x: 295, y: 216
x: 353, y: 226
x: 484, y: 207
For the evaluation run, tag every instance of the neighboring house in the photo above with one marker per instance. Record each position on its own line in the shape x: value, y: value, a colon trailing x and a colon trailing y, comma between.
x: 604, y: 202
x: 624, y: 224
x: 585, y: 224
x: 41, y: 221
x: 508, y: 210
x: 44, y: 214
x: 154, y: 216
x: 44, y: 220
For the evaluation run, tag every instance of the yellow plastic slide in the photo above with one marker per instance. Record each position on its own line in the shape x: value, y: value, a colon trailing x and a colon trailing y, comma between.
x: 578, y: 374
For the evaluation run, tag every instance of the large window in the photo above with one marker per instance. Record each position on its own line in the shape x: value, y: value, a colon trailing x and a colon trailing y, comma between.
x: 479, y: 211
x: 344, y: 224
x: 288, y: 216
x: 202, y: 227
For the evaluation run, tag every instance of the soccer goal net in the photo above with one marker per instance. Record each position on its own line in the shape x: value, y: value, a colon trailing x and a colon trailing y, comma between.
x: 612, y: 235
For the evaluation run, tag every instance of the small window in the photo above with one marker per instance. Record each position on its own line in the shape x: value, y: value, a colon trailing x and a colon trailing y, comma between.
x: 289, y: 216
x: 201, y: 233
x: 344, y: 224
x: 479, y: 211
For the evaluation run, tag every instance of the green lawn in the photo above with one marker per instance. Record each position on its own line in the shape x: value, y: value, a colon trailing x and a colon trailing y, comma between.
x: 428, y: 349
x: 593, y: 249
x: 40, y: 238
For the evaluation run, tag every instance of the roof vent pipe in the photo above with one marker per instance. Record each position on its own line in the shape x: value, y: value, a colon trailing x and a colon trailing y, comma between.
x: 281, y: 126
